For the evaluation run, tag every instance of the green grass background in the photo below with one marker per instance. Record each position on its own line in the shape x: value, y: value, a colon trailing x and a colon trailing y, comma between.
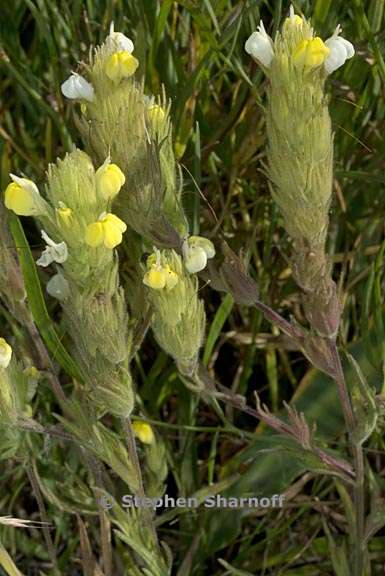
x: 195, y: 50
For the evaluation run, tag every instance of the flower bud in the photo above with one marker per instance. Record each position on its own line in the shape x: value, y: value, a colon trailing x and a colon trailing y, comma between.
x: 156, y: 114
x: 144, y: 432
x: 109, y: 180
x: 64, y: 215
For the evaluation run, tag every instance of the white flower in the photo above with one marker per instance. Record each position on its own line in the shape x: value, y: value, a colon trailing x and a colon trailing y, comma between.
x: 340, y: 51
x: 195, y: 259
x: 58, y: 287
x: 77, y: 87
x: 5, y: 353
x: 53, y: 252
x: 119, y: 41
x: 196, y: 251
x: 260, y: 46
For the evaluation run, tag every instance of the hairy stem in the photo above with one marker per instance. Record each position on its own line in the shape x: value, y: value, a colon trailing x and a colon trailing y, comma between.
x: 105, y: 525
x: 357, y: 453
x: 133, y: 454
x: 43, y: 514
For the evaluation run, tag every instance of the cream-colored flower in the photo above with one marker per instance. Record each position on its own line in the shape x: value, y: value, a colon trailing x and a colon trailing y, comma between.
x: 340, y: 51
x: 158, y: 276
x: 196, y: 251
x: 118, y: 41
x: 77, y: 88
x: 53, y: 252
x: 260, y: 46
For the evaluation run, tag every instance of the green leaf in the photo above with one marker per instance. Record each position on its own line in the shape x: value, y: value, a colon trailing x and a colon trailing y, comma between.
x: 217, y: 324
x: 37, y: 303
x: 271, y: 470
x: 7, y: 563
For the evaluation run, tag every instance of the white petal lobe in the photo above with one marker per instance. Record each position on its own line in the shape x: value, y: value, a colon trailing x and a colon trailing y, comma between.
x: 260, y: 46
x: 77, y: 88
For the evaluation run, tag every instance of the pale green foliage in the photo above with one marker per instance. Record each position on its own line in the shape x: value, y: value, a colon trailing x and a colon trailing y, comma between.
x: 9, y: 272
x: 135, y: 533
x: 179, y: 316
x: 102, y: 442
x: 300, y: 150
x: 17, y: 388
x: 156, y: 467
x: 300, y: 165
x: 120, y: 122
x: 71, y: 182
x: 95, y: 311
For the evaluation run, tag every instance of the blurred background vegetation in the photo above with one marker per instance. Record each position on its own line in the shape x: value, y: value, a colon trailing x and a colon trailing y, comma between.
x: 194, y: 48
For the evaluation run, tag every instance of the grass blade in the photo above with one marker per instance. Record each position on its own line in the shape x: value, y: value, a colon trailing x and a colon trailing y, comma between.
x: 37, y: 303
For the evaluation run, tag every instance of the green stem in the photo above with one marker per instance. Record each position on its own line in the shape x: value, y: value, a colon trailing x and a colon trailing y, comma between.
x: 357, y: 453
x: 133, y: 454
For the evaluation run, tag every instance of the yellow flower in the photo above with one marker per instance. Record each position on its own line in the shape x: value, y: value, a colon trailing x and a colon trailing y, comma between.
x: 22, y: 196
x: 109, y: 179
x: 108, y: 230
x: 157, y: 276
x: 144, y: 432
x: 156, y: 114
x: 5, y: 353
x: 311, y: 53
x: 64, y: 214
x: 121, y: 65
